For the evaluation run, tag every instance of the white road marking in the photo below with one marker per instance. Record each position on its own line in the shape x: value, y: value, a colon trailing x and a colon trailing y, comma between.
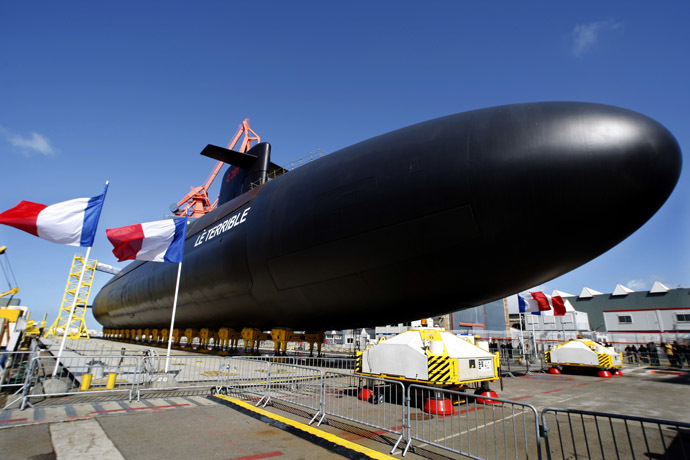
x: 82, y: 439
x: 437, y: 441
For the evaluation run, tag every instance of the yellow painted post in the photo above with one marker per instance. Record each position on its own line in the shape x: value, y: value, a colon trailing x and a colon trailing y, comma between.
x: 86, y: 382
x: 111, y: 381
x: 278, y: 337
x: 190, y: 334
x: 175, y: 336
x: 223, y: 335
x: 234, y: 339
x: 248, y: 337
x: 204, y: 336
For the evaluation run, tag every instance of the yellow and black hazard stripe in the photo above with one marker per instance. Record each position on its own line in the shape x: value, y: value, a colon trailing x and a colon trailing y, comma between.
x: 358, y: 363
x: 439, y: 368
x: 314, y: 435
x: 605, y: 360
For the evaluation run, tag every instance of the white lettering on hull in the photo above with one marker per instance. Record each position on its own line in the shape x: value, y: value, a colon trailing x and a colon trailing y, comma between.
x: 219, y: 229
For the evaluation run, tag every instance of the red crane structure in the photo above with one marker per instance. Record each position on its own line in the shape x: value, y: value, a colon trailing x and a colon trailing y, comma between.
x: 197, y: 203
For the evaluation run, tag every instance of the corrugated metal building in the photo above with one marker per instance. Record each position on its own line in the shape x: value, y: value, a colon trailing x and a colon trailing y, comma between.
x: 661, y: 314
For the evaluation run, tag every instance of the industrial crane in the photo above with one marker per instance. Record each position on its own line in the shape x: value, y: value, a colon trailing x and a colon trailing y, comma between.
x: 9, y: 276
x: 197, y: 203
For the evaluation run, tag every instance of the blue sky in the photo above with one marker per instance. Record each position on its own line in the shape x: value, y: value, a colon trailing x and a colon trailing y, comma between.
x: 131, y: 92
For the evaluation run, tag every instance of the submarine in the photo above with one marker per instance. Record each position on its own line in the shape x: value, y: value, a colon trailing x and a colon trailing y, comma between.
x: 439, y: 216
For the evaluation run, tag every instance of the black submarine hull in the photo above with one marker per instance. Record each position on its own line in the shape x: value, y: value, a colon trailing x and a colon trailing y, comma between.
x: 436, y: 217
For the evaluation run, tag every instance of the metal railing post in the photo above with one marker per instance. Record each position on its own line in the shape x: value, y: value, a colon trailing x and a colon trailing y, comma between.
x: 27, y: 383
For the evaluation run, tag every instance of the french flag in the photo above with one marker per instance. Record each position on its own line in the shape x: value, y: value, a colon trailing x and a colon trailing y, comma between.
x: 541, y: 303
x: 528, y: 305
x: 72, y: 222
x: 159, y: 241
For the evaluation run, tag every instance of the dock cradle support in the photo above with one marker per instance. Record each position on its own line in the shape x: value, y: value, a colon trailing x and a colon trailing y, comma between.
x: 222, y: 341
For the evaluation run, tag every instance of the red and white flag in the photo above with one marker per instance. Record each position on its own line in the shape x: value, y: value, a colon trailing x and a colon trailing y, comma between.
x: 159, y: 241
x: 542, y: 301
x: 558, y: 305
x: 72, y: 222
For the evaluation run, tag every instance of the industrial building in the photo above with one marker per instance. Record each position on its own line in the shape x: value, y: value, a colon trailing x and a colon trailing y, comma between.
x: 660, y: 314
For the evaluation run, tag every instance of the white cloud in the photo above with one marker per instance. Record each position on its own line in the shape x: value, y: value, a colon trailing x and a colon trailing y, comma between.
x: 585, y: 36
x: 33, y: 143
x: 638, y: 285
x: 646, y: 284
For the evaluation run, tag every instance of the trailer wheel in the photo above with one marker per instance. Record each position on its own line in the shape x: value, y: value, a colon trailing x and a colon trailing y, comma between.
x: 377, y: 398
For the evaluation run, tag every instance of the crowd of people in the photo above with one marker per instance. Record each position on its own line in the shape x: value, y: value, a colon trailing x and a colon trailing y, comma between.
x: 676, y: 353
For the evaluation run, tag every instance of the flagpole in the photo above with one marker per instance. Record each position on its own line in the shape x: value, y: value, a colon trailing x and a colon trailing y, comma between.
x: 520, y: 315
x: 534, y: 339
x: 81, y: 278
x: 172, y: 320
x: 71, y: 311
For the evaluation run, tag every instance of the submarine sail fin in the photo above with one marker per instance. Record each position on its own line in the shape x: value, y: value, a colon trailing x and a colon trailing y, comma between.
x: 246, y: 169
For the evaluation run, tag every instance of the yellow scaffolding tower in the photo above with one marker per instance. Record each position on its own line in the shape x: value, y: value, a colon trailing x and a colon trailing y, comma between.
x: 78, y: 323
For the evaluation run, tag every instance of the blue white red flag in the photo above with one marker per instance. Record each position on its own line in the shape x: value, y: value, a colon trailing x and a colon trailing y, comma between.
x: 543, y: 302
x: 528, y: 305
x: 159, y: 241
x: 72, y: 222
x: 522, y: 305
x: 536, y: 303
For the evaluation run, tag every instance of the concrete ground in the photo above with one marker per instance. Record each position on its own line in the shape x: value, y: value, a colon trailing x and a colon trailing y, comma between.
x: 194, y: 426
x: 642, y: 392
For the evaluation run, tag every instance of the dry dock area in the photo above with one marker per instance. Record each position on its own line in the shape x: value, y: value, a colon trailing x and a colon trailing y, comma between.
x: 191, y: 423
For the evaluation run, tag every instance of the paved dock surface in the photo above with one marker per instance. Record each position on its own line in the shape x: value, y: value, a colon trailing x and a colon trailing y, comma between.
x: 196, y: 426
x: 180, y: 428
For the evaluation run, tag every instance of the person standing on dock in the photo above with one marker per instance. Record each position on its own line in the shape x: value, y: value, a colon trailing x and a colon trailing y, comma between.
x: 653, y: 356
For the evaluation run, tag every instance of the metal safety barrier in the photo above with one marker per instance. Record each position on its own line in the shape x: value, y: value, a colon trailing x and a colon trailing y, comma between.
x: 570, y: 433
x: 424, y: 419
x: 96, y: 374
x: 13, y: 367
x: 323, y: 362
x: 370, y: 401
x: 242, y: 377
x: 327, y: 363
x: 471, y: 425
x: 82, y: 347
x: 297, y: 385
x: 184, y: 372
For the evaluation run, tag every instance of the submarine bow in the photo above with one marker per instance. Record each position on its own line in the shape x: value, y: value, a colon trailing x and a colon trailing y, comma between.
x: 428, y: 219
